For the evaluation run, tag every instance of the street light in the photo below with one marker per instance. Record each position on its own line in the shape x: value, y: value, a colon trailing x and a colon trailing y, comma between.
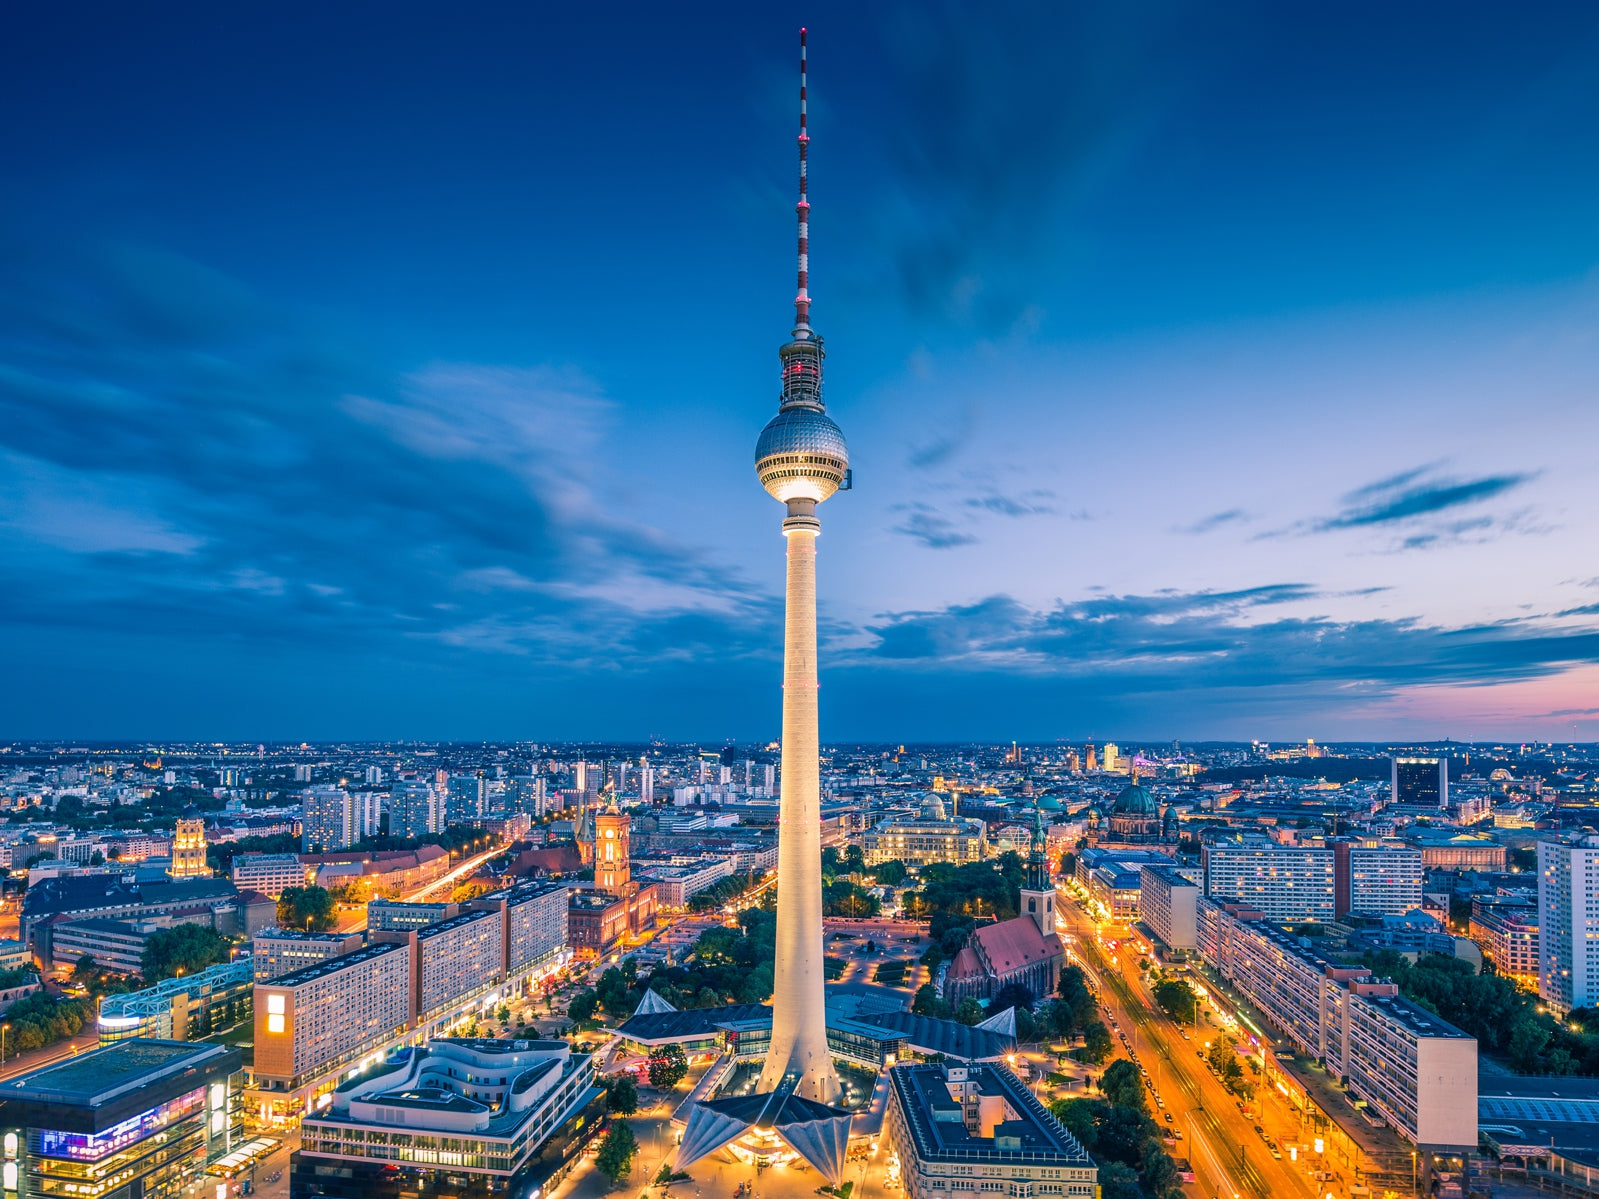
x: 3, y: 1029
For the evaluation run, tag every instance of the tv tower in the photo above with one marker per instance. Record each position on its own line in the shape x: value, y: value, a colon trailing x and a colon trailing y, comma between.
x: 801, y: 459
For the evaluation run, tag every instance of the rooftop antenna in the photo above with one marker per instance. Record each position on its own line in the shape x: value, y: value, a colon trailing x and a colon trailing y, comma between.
x: 802, y: 301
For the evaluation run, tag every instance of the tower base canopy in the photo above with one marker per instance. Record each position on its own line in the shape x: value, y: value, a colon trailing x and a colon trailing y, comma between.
x: 815, y: 1131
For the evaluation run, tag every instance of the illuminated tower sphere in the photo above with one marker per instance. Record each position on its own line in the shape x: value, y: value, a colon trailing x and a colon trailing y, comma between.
x: 801, y: 460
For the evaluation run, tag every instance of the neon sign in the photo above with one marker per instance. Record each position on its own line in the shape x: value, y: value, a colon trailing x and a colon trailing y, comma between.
x: 91, y: 1147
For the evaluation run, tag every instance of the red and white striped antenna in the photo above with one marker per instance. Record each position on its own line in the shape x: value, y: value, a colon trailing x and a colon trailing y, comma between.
x: 802, y: 302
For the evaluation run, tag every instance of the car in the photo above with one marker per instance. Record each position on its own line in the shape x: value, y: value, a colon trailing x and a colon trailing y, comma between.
x: 1260, y: 1130
x: 1169, y: 1119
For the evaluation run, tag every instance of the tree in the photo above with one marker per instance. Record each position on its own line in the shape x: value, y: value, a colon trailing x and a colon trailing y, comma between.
x: 97, y: 858
x: 845, y: 898
x: 582, y: 1006
x: 1012, y: 995
x: 621, y: 1094
x: 617, y: 1151
x: 1097, y: 1044
x: 84, y: 969
x: 890, y: 873
x: 310, y: 908
x: 668, y: 1065
x: 1074, y: 993
x: 928, y: 1003
x: 1122, y: 1085
x: 854, y: 859
x: 182, y: 949
x: 969, y: 1011
x: 1178, y: 999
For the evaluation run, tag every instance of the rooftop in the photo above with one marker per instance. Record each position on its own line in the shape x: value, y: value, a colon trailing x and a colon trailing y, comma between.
x: 936, y: 1124
x: 101, y: 1075
x: 450, y: 925
x: 305, y: 974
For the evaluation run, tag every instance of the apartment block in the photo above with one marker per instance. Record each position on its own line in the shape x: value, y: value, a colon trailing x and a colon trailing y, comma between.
x: 396, y: 916
x: 467, y: 797
x: 535, y: 925
x: 1568, y: 923
x: 1418, y: 1072
x: 280, y: 951
x: 415, y: 809
x: 1376, y: 878
x: 329, y: 823
x: 1507, y: 934
x: 319, y: 1018
x: 269, y: 873
x: 1167, y: 905
x: 1287, y: 883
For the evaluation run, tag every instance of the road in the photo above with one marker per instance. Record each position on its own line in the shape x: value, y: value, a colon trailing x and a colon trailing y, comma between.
x: 1228, y: 1155
x: 353, y: 920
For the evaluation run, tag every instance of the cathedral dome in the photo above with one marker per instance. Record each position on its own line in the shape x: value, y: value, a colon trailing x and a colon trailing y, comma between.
x: 1136, y: 801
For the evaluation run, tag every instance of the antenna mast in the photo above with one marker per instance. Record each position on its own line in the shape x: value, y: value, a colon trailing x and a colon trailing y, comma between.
x: 802, y: 301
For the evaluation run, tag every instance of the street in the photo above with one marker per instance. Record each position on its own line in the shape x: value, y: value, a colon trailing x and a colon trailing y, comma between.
x: 1228, y: 1154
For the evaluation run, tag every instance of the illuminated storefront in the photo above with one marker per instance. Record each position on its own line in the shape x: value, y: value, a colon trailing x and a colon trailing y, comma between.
x: 138, y: 1118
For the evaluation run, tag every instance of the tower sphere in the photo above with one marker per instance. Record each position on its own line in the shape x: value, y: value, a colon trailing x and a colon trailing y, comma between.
x: 801, y: 455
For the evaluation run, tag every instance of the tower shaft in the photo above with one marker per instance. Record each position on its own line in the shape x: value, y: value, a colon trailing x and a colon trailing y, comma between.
x: 799, y: 1021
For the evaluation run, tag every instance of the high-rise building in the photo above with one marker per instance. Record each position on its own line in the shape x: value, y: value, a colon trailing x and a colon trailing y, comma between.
x: 1166, y: 903
x: 374, y: 775
x: 188, y: 847
x: 414, y: 809
x: 1568, y: 923
x: 302, y: 773
x: 1375, y: 878
x: 801, y: 459
x: 1091, y: 763
x: 1285, y: 882
x: 366, y: 814
x: 646, y: 783
x: 327, y: 825
x: 1112, y: 755
x: 1507, y: 933
x: 1420, y: 782
x: 468, y: 798
x: 322, y: 1016
x: 769, y: 778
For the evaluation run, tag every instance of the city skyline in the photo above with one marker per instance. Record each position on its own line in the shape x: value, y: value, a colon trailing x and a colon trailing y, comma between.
x: 1210, y: 377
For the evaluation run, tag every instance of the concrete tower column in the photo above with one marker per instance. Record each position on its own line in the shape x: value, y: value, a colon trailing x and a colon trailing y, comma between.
x: 799, y: 1026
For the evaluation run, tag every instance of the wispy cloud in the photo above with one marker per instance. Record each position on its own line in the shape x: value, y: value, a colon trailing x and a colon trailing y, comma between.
x: 1183, y: 641
x: 1028, y: 503
x: 1214, y: 521
x: 1422, y: 509
x: 1408, y: 496
x: 188, y: 459
x: 934, y: 530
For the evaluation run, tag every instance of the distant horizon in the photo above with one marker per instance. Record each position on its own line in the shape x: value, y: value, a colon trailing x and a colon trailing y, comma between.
x: 91, y: 744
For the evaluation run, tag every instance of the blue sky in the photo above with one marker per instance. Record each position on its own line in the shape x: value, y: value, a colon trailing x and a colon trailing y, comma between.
x: 1208, y: 372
